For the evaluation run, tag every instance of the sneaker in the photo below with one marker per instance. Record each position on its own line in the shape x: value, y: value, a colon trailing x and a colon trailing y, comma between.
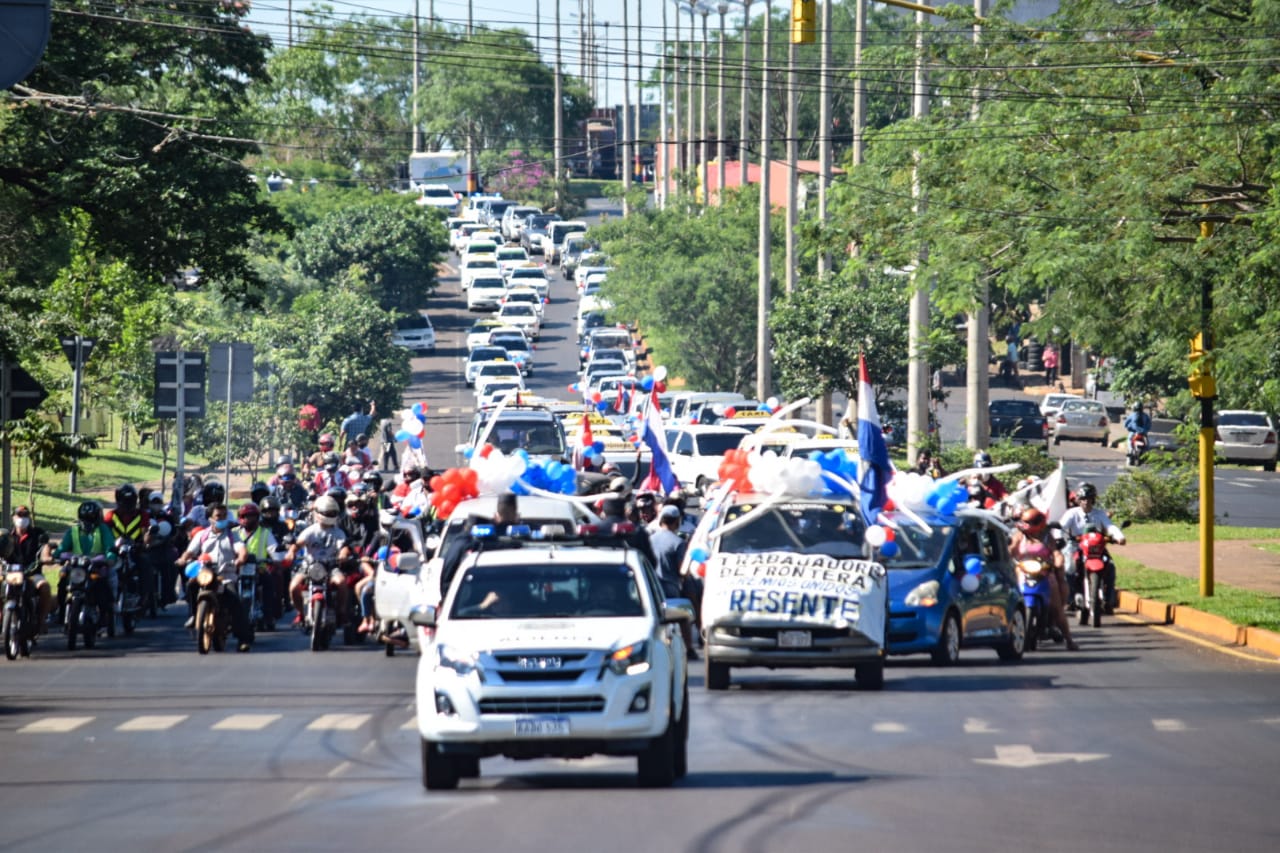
x: 190, y: 623
x: 244, y: 647
x: 297, y: 620
x: 1078, y: 601
x: 1073, y: 646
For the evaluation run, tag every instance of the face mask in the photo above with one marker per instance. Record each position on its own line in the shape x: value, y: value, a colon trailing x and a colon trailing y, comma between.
x: 222, y: 524
x: 353, y: 511
x: 22, y: 522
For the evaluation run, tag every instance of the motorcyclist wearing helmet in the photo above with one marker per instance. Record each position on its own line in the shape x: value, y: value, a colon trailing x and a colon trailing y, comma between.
x: 374, y: 484
x: 1074, y: 522
x: 985, y: 489
x: 1031, y: 541
x: 364, y: 536
x: 258, y: 491
x: 315, y: 462
x: 326, y: 543
x: 261, y: 545
x: 225, y: 554
x: 269, y: 517
x: 330, y: 475
x: 128, y: 521
x: 163, y: 548
x: 212, y: 494
x: 90, y: 537
x: 287, y: 489
x: 1138, y: 423
x: 28, y: 542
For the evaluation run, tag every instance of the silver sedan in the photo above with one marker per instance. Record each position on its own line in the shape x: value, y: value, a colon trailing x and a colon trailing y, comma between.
x: 1082, y: 420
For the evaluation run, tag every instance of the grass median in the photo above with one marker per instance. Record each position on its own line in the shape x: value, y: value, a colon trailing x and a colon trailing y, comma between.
x: 1241, y: 606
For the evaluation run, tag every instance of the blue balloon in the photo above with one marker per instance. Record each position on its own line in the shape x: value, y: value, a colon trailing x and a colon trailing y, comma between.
x: 193, y: 569
x: 763, y: 407
x: 523, y: 454
x: 468, y: 453
x: 889, y: 549
x: 597, y: 447
x: 602, y: 406
x: 417, y: 410
x: 646, y: 384
x: 973, y: 564
x: 699, y: 554
x: 554, y: 470
x: 401, y: 435
x: 415, y: 442
x: 597, y: 459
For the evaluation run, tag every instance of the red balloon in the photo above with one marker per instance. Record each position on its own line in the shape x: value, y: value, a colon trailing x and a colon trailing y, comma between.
x: 730, y: 412
x: 451, y: 493
x: 436, y: 483
x: 596, y: 397
x: 470, y: 480
x: 485, y: 451
x: 453, y: 476
x: 445, y: 509
x: 424, y: 408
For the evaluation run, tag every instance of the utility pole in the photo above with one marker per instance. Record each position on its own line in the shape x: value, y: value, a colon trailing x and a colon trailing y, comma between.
x: 625, y: 159
x: 824, y: 141
x: 704, y: 161
x: 743, y: 132
x: 558, y: 154
x: 978, y: 339
x: 1204, y: 388
x: 918, y: 320
x: 859, y: 88
x: 473, y: 185
x: 637, y: 126
x: 417, y: 75
x: 722, y: 8
x: 662, y: 152
x: 793, y: 152
x: 689, y: 124
x: 764, y: 359
x: 675, y: 100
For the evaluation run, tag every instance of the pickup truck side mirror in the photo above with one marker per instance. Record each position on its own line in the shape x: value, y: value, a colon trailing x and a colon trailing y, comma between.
x: 423, y: 617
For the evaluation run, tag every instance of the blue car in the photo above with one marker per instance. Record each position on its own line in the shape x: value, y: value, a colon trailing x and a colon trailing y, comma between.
x: 953, y: 588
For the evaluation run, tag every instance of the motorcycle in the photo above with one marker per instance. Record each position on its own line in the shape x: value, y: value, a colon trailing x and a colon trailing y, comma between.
x: 131, y: 600
x: 86, y: 587
x: 1137, y: 449
x: 320, y: 618
x: 1093, y: 558
x: 212, y: 622
x: 20, y: 613
x: 247, y: 589
x: 1034, y: 578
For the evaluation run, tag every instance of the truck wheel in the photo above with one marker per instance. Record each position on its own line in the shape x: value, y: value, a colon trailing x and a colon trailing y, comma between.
x: 870, y: 676
x: 947, y: 652
x: 439, y: 771
x: 656, y: 766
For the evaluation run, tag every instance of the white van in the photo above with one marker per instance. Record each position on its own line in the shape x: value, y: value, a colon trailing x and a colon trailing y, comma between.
x: 685, y: 406
x: 556, y: 232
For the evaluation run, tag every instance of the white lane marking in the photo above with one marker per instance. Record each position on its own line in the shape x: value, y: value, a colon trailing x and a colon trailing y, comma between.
x: 155, y: 723
x: 369, y: 747
x: 1023, y: 756
x: 338, y: 722
x: 889, y: 728
x: 411, y: 724
x: 1270, y: 721
x: 245, y: 722
x: 303, y: 794
x: 55, y: 725
x: 977, y: 726
x: 339, y: 770
x: 1169, y: 725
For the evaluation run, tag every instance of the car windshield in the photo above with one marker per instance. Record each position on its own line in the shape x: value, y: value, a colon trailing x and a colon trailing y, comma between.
x: 418, y: 322
x: 611, y: 340
x: 539, y: 436
x: 517, y: 309
x: 482, y: 263
x: 1242, y: 419
x: 499, y: 368
x: 510, y: 342
x: 554, y: 590
x: 438, y: 192
x: 918, y: 548
x: 482, y: 354
x: 482, y: 283
x: 718, y: 443
x: 832, y: 529
x: 512, y: 254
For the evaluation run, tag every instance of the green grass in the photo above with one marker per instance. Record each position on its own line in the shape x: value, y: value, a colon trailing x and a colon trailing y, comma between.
x: 592, y: 188
x: 1176, y: 531
x: 1241, y: 606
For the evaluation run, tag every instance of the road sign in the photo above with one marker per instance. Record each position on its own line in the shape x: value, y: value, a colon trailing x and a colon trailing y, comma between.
x: 26, y: 31
x: 21, y: 390
x: 69, y: 347
x: 238, y: 360
x: 179, y: 376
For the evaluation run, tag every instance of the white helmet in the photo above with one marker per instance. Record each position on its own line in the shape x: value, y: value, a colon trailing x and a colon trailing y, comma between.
x: 327, y: 511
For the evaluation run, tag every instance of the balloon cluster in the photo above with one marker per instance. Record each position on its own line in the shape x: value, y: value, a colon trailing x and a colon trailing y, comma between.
x: 496, y: 472
x: 771, y: 473
x: 451, y: 488
x: 554, y: 476
x: 921, y: 493
x: 736, y: 466
x: 883, y: 538
x: 413, y: 427
x: 838, y: 468
x: 698, y: 556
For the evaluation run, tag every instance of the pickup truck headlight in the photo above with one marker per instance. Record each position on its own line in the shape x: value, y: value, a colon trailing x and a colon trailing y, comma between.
x: 630, y: 660
x: 925, y: 595
x: 459, y: 660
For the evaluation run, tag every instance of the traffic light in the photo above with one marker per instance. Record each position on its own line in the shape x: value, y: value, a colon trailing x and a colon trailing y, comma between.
x: 804, y: 21
x: 1203, y: 386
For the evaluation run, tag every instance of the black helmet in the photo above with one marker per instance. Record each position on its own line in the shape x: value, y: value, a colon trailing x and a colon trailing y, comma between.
x: 258, y: 491
x: 1087, y: 490
x: 126, y: 497
x: 269, y: 504
x: 89, y: 514
x: 982, y: 459
x: 373, y: 480
x: 213, y: 493
x: 332, y: 461
x: 338, y: 493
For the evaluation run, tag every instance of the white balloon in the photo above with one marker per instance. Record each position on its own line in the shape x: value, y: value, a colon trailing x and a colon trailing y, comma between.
x: 772, y: 403
x: 875, y: 536
x: 969, y: 583
x: 660, y: 373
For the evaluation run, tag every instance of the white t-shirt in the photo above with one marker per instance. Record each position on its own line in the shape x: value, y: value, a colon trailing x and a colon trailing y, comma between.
x: 322, y: 543
x: 1074, y: 521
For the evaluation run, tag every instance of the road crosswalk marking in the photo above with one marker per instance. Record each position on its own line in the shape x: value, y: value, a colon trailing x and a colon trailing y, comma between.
x: 338, y: 722
x: 1169, y: 725
x: 54, y: 725
x: 151, y: 723
x: 888, y: 728
x: 976, y: 726
x: 245, y: 722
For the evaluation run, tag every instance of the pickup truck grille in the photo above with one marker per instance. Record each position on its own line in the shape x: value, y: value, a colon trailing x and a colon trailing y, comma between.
x: 543, y: 705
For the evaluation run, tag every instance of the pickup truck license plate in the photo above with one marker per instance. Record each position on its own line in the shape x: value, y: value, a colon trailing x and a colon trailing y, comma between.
x: 795, y: 639
x: 542, y: 726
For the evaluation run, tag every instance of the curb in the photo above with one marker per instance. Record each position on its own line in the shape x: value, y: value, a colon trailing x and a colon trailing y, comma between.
x: 1205, y: 624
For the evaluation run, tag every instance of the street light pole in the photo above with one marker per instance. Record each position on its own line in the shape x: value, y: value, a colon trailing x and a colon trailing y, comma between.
x: 675, y: 100
x: 743, y: 134
x: 417, y: 75
x: 663, y: 161
x: 720, y: 152
x: 764, y: 358
x: 557, y: 173
x: 918, y: 320
x: 689, y: 123
x: 625, y: 159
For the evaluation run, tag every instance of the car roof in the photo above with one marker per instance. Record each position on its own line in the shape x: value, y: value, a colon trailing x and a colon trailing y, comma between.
x: 704, y: 429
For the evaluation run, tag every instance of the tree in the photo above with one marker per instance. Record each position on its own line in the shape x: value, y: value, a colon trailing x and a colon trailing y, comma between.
x: 394, y: 243
x: 41, y: 441
x: 690, y: 283
x: 135, y: 119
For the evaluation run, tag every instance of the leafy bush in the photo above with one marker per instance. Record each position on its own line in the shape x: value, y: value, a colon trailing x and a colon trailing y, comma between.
x: 1145, y: 494
x: 1032, y: 459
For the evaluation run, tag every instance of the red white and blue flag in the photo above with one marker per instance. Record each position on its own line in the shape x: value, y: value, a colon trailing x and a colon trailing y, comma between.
x: 654, y: 436
x: 876, y: 469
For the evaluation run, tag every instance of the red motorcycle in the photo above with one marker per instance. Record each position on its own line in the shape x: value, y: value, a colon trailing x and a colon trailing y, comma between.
x: 1094, y: 561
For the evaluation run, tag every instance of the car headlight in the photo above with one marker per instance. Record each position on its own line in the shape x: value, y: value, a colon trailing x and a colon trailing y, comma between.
x: 459, y: 660
x: 630, y: 660
x: 925, y: 595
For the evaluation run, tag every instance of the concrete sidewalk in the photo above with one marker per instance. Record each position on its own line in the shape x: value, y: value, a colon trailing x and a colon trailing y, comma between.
x: 1240, y: 563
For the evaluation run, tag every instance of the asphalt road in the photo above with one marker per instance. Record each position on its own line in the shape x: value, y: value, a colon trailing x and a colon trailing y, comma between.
x: 1142, y: 741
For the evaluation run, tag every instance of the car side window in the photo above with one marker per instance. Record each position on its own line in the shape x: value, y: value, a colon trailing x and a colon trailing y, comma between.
x: 684, y: 444
x: 995, y: 553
